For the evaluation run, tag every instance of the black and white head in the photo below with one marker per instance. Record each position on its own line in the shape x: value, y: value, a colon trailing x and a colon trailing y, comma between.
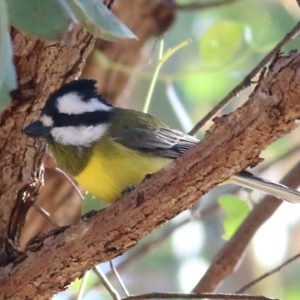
x: 74, y: 115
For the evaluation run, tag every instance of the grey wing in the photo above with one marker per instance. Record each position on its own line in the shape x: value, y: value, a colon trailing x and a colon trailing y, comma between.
x: 165, y: 142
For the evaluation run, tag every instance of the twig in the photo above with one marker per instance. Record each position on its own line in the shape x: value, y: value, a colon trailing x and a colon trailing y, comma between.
x: 82, y: 285
x: 45, y: 214
x: 247, y: 80
x: 197, y: 296
x: 119, y: 278
x: 199, y: 5
x: 72, y: 182
x: 260, y: 278
x: 106, y: 283
x: 95, y: 269
x: 228, y: 257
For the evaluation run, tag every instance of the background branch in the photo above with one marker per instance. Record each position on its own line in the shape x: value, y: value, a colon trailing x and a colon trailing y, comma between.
x: 229, y: 256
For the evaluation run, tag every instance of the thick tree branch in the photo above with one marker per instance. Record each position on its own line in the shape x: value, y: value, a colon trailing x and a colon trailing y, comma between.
x: 231, y: 145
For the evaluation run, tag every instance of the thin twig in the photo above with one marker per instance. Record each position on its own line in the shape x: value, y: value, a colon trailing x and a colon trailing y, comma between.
x: 260, y: 278
x: 106, y: 283
x: 71, y: 181
x: 119, y: 278
x: 197, y: 296
x: 96, y: 269
x: 45, y: 214
x: 247, y: 80
x: 83, y: 285
x: 199, y: 5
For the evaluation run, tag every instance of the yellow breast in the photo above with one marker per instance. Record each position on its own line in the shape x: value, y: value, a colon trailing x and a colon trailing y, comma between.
x: 111, y: 169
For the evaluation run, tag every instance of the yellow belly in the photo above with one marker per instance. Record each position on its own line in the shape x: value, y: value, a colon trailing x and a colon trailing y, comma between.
x: 110, y: 171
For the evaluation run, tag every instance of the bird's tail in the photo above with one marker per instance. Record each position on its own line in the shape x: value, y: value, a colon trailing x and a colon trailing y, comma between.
x: 277, y: 190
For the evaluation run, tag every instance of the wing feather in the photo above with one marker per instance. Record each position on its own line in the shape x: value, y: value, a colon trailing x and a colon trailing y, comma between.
x: 165, y: 142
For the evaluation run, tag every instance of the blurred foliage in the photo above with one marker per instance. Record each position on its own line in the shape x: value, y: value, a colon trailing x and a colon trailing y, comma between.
x: 47, y: 20
x: 96, y: 18
x: 51, y: 20
x: 235, y: 213
x: 224, y: 41
x: 7, y: 70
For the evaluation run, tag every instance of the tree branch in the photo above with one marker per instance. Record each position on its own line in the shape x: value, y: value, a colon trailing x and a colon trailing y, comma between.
x: 197, y: 296
x: 199, y: 5
x: 231, y: 145
x: 267, y: 274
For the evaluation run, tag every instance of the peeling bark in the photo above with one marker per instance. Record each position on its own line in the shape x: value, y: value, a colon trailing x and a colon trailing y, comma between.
x: 231, y: 145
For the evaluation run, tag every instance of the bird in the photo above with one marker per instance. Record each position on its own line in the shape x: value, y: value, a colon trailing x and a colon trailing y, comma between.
x: 107, y: 148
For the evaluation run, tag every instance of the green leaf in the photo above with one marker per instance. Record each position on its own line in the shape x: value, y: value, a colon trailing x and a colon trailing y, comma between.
x: 236, y: 211
x: 7, y: 70
x: 91, y: 203
x: 48, y: 20
x: 210, y: 87
x: 222, y: 42
x: 99, y: 20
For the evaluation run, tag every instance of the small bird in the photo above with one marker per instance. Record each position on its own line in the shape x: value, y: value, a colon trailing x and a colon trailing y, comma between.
x: 106, y: 149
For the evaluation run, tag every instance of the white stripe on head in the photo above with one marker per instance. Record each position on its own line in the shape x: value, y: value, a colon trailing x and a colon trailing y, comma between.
x: 81, y: 136
x: 72, y: 104
x: 46, y: 120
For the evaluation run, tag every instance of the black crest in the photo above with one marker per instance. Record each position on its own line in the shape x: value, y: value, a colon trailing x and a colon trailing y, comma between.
x: 86, y: 89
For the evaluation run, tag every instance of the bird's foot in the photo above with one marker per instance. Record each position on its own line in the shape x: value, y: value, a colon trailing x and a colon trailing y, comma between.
x: 90, y: 214
x: 127, y: 190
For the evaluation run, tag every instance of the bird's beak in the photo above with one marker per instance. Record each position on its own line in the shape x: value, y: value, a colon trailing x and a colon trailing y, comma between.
x: 37, y: 129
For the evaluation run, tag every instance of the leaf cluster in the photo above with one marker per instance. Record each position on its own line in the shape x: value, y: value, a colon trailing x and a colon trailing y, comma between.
x: 54, y: 21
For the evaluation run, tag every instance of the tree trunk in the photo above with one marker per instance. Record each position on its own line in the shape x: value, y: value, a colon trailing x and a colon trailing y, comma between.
x: 41, y: 67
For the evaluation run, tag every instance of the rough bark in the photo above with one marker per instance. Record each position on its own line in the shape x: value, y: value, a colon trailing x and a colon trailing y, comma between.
x: 41, y: 67
x: 231, y: 145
